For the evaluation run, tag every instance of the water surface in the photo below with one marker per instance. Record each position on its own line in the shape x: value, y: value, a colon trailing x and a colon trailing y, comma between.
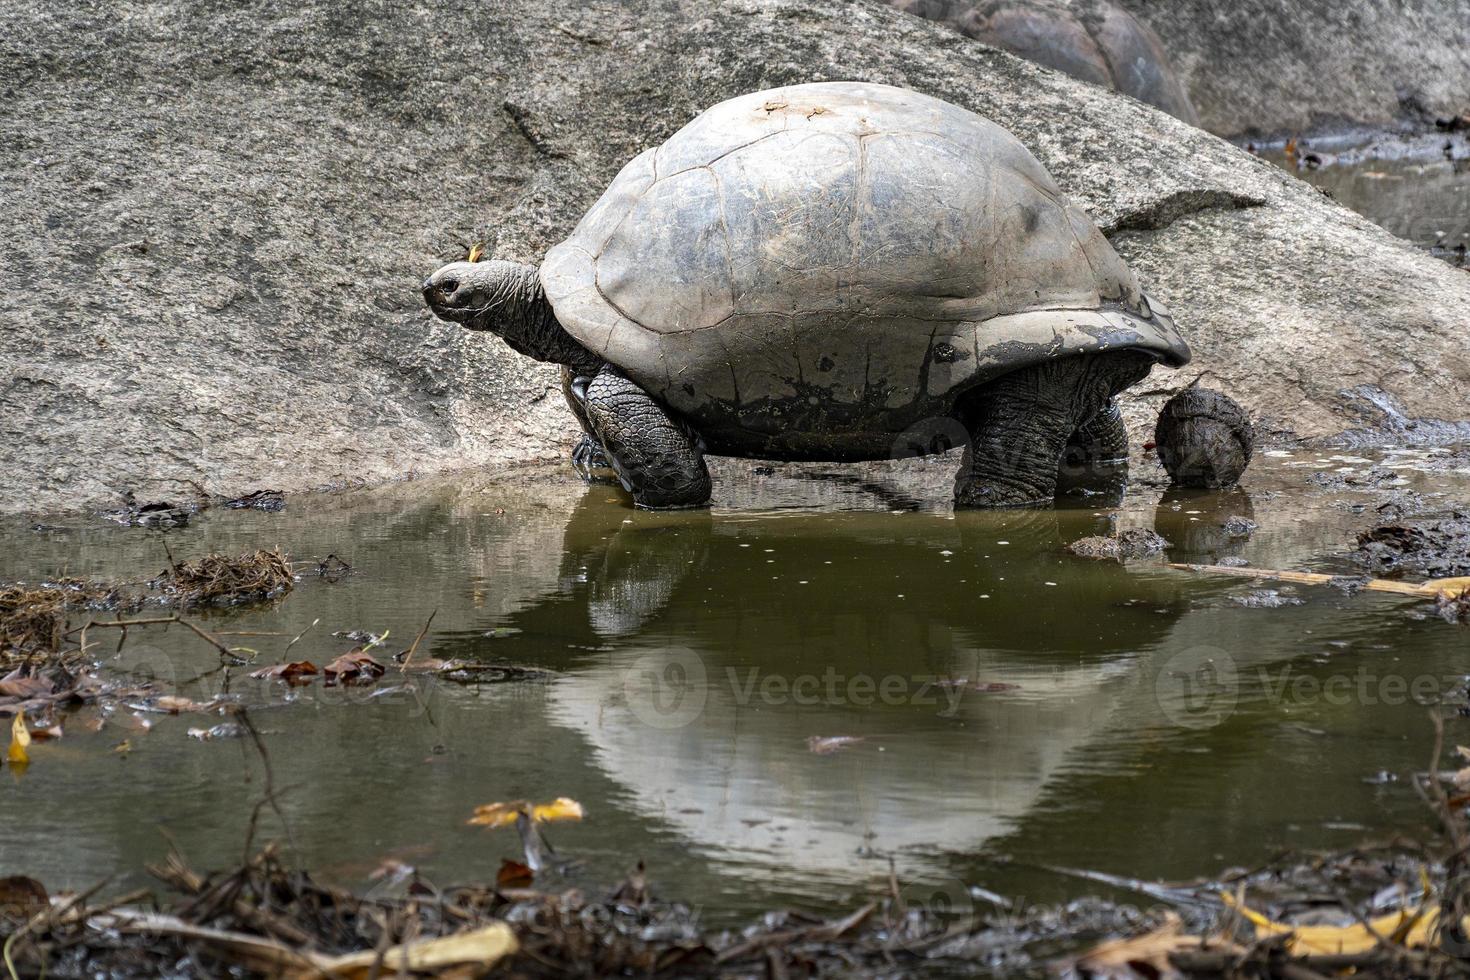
x: 1019, y: 709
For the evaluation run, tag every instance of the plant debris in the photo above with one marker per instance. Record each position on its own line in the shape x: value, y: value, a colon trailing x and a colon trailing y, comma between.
x: 355, y: 666
x: 33, y: 618
x: 295, y: 672
x: 219, y: 579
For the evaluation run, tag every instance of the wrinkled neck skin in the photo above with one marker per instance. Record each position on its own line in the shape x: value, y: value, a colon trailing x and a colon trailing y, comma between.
x: 521, y: 315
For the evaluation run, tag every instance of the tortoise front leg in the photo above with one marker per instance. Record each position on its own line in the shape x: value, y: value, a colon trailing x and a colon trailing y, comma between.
x: 588, y: 458
x: 1020, y: 424
x: 656, y: 456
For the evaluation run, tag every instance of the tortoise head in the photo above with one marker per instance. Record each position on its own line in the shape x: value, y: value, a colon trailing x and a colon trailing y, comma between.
x: 506, y: 299
x: 483, y: 295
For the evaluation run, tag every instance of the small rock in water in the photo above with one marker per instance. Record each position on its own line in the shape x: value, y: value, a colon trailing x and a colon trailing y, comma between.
x: 1239, y: 527
x: 1134, y: 543
x: 1350, y: 584
x: 267, y: 500
x: 1267, y: 599
x: 1233, y: 561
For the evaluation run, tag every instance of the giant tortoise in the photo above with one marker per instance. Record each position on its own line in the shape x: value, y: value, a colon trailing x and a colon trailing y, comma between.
x: 813, y: 272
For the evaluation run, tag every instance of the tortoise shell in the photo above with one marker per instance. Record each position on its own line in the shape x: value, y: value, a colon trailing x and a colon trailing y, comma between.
x: 805, y: 271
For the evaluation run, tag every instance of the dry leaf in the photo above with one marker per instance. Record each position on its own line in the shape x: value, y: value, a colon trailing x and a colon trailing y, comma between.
x: 355, y: 665
x: 513, y: 874
x: 292, y: 673
x: 22, y: 897
x: 478, y: 948
x: 1145, y: 956
x: 20, y: 739
x: 1410, y: 927
x: 501, y: 814
x: 16, y: 686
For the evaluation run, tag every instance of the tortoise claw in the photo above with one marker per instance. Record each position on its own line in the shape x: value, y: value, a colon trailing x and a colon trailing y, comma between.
x: 591, y: 463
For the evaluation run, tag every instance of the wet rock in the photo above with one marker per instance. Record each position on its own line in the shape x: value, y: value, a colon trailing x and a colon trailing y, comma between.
x: 1374, y: 478
x: 1134, y: 543
x: 1454, y: 609
x: 158, y: 516
x: 1266, y: 599
x: 1429, y: 548
x: 1350, y: 584
x: 1286, y: 66
x: 223, y: 288
x: 1239, y: 527
x: 1233, y: 561
x: 1092, y: 40
x: 267, y: 500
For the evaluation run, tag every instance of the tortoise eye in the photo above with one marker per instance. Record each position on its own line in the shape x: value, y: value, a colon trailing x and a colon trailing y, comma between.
x: 448, y: 286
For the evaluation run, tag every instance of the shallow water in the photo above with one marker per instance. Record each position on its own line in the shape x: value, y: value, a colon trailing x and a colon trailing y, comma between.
x: 1417, y: 189
x: 1129, y: 719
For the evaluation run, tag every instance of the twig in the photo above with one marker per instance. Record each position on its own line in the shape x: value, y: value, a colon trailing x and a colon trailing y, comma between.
x: 123, y: 625
x: 298, y: 637
x: 417, y: 640
x: 270, y: 785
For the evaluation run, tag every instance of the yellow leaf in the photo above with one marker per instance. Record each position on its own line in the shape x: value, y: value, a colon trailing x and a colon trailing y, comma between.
x: 561, y: 808
x: 481, y: 948
x: 1406, y: 927
x: 20, y: 737
x: 476, y: 250
x: 503, y: 814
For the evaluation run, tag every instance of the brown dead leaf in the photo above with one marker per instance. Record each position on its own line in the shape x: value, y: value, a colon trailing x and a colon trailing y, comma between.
x: 1145, y: 956
x: 15, y: 685
x: 354, y: 666
x: 22, y: 897
x: 294, y: 672
x: 513, y: 874
x: 49, y: 732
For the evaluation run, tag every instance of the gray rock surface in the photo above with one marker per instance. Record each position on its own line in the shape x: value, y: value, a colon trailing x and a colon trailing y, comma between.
x: 1257, y: 67
x: 217, y: 217
x: 1096, y: 41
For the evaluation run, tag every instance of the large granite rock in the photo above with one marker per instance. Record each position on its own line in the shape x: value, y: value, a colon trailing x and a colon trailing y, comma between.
x: 1096, y: 41
x: 1269, y: 67
x: 217, y: 217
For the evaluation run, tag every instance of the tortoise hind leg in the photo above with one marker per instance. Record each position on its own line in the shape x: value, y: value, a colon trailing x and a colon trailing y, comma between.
x: 656, y: 456
x: 1020, y: 424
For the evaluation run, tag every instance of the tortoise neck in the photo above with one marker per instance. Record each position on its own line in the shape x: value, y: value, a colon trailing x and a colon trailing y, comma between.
x: 529, y: 325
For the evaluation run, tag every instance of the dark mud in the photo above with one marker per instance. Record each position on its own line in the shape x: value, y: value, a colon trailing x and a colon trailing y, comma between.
x: 1432, y: 548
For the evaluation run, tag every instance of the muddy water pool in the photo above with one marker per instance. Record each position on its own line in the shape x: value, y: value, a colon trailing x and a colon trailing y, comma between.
x: 1015, y: 710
